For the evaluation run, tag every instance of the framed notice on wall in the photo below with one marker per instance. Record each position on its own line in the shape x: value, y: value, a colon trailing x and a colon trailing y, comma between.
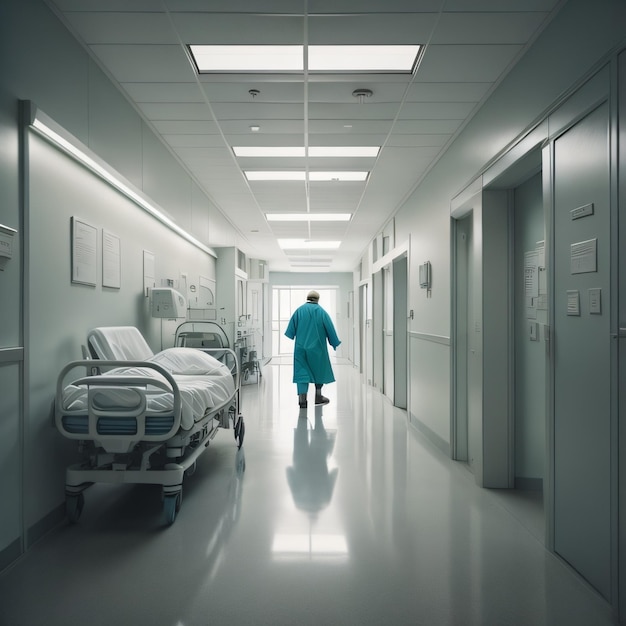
x: 84, y: 249
x: 111, y: 261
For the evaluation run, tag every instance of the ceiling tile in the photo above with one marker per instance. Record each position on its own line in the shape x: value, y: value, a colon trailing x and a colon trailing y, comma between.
x: 164, y: 92
x: 123, y: 28
x: 500, y: 5
x: 181, y: 112
x: 238, y: 28
x: 421, y: 91
x: 471, y: 63
x: 436, y: 110
x: 145, y: 63
x: 487, y: 28
x: 374, y: 29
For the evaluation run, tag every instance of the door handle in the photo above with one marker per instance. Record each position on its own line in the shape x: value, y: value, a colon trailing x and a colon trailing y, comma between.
x: 620, y: 334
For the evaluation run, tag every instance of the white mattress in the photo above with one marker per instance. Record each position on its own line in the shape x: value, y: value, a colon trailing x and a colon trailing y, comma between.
x: 204, y: 383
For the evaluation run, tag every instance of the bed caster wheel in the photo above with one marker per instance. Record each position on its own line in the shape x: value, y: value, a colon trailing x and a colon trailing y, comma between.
x: 171, y: 506
x: 240, y: 431
x: 74, y: 506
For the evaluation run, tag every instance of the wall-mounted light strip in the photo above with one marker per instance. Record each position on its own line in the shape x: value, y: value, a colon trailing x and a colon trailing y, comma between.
x: 57, y: 135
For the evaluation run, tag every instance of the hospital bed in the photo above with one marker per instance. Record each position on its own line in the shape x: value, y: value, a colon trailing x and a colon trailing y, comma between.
x: 141, y: 417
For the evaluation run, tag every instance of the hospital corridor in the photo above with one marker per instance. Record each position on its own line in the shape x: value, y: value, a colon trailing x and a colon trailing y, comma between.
x: 343, y: 515
x: 415, y: 209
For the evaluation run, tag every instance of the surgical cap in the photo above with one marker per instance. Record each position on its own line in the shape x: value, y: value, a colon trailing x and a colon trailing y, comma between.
x: 313, y: 296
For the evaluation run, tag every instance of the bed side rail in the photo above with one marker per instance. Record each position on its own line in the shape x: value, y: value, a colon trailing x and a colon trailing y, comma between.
x: 228, y: 357
x: 115, y: 429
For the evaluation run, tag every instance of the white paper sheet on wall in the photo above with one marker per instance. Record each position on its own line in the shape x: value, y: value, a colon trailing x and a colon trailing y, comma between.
x: 84, y: 249
x: 111, y: 260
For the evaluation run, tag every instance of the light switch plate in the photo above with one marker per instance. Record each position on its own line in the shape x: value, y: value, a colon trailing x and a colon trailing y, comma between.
x: 595, y: 301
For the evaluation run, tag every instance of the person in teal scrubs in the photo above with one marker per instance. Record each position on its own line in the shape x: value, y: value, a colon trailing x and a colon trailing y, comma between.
x: 312, y: 327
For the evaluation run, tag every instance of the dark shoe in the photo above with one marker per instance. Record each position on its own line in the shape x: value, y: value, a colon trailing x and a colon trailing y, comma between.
x: 321, y: 400
x: 302, y: 403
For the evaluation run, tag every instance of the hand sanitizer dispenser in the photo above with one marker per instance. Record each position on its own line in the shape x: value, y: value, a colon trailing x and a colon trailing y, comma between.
x: 168, y: 303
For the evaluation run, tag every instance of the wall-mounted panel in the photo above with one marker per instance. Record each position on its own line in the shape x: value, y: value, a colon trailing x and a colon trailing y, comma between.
x: 430, y: 388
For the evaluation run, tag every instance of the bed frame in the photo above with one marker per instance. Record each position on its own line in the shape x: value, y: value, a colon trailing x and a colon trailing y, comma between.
x: 137, y: 444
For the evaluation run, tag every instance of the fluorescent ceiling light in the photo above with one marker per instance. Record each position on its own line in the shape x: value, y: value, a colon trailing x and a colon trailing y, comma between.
x: 269, y: 151
x: 275, y: 175
x: 299, y: 151
x: 303, y: 244
x: 301, y: 175
x: 362, y: 58
x: 248, y: 58
x: 344, y: 151
x: 308, y: 217
x: 338, y: 176
x: 291, y: 58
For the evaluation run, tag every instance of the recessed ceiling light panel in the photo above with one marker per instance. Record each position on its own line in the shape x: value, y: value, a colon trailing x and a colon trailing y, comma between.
x: 338, y: 176
x: 331, y: 59
x: 247, y: 58
x: 300, y: 151
x: 265, y: 175
x: 307, y: 244
x: 344, y: 151
x: 268, y: 151
x: 308, y: 217
x: 362, y: 58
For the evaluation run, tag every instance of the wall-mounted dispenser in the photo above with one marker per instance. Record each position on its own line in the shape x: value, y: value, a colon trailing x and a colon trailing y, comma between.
x: 168, y: 303
x: 6, y: 244
x: 425, y: 275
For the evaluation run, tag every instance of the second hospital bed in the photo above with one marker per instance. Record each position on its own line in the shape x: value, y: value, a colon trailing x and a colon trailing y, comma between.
x: 142, y: 417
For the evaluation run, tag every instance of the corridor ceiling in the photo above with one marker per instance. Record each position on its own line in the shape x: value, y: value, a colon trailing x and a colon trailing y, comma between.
x: 468, y: 46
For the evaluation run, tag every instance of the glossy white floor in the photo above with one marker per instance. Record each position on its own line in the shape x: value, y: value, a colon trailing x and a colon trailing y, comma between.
x: 342, y: 516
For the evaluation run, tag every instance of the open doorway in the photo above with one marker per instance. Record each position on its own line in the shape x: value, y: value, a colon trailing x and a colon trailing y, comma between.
x: 500, y: 313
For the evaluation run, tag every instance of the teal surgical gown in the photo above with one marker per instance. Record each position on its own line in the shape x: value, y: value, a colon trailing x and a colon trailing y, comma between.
x: 312, y: 327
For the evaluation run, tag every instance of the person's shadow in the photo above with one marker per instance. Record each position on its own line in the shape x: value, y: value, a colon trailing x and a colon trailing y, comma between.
x: 309, y: 478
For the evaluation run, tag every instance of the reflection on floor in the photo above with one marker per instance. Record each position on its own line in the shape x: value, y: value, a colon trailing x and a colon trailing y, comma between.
x: 344, y: 515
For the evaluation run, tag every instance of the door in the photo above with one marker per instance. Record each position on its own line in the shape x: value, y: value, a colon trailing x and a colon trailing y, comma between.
x: 388, y: 333
x: 582, y: 350
x: 377, y: 330
x: 463, y: 314
x: 366, y: 333
x: 530, y: 313
x: 400, y: 332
